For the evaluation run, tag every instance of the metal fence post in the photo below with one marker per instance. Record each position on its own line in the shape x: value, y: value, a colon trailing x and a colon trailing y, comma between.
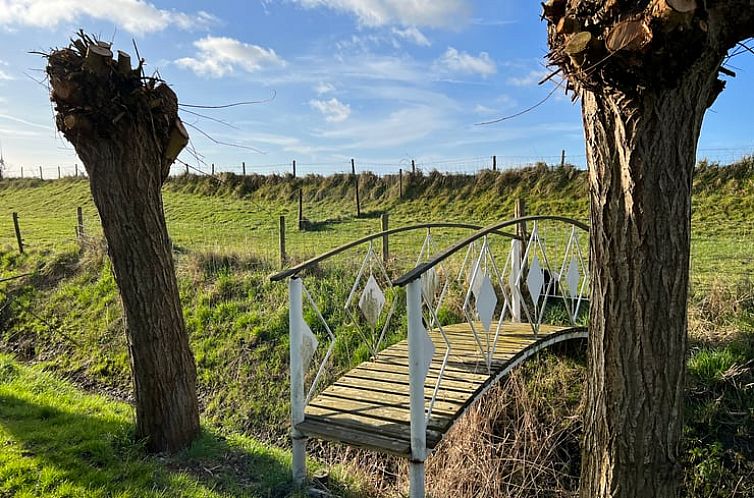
x: 416, y: 376
x: 298, y: 397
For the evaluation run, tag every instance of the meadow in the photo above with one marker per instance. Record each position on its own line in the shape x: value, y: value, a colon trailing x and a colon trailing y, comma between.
x: 62, y: 325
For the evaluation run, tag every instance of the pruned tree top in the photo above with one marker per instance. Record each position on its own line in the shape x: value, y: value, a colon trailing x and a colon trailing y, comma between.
x: 98, y: 96
x: 641, y: 44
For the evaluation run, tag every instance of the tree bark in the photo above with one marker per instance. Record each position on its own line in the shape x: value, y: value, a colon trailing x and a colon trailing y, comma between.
x: 646, y: 73
x: 641, y: 163
x: 125, y: 135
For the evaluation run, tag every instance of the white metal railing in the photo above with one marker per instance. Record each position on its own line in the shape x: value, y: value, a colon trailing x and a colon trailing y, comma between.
x: 493, y: 294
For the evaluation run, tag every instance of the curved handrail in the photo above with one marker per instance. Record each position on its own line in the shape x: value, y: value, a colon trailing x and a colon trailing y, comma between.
x: 295, y: 270
x: 419, y: 270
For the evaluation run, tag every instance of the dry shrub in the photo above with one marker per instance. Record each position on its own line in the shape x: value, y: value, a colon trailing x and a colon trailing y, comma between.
x: 714, y: 311
x: 519, y: 440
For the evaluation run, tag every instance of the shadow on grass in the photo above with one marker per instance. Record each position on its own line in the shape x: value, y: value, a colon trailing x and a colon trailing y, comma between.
x: 51, y: 449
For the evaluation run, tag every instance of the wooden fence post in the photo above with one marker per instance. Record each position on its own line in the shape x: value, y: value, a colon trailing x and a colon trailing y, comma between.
x: 300, y: 209
x: 400, y: 183
x: 79, y: 222
x: 413, y: 166
x: 294, y: 168
x: 356, y: 184
x: 520, y: 212
x: 58, y: 172
x: 187, y: 169
x: 562, y: 158
x: 281, y: 245
x: 22, y: 171
x: 213, y: 169
x: 385, y: 239
x: 243, y: 168
x: 40, y: 173
x: 18, y: 233
x: 494, y: 163
x: 76, y: 170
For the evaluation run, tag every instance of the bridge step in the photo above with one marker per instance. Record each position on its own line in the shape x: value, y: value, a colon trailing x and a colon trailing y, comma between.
x: 369, y: 406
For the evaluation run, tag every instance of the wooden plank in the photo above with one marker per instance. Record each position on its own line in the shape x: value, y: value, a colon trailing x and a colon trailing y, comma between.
x: 377, y: 427
x: 354, y: 437
x: 475, y: 371
x: 396, y: 413
x: 398, y: 400
x: 450, y: 387
x: 373, y: 369
x: 382, y: 386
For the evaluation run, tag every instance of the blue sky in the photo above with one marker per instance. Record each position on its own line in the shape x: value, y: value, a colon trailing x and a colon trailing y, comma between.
x: 382, y: 81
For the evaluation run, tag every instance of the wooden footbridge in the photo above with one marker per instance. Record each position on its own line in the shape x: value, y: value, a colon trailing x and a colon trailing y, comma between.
x: 507, y: 301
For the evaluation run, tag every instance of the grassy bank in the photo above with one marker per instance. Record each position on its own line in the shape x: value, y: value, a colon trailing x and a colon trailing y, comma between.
x: 60, y: 442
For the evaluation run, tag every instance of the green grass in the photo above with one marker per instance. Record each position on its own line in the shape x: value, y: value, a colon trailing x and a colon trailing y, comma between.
x: 60, y: 442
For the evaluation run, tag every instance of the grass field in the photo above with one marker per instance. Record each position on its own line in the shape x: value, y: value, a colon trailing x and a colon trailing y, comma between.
x: 66, y: 318
x: 239, y: 215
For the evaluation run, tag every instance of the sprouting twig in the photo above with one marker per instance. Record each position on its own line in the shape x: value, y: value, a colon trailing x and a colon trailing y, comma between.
x: 528, y: 109
x: 220, y: 121
x: 235, y: 104
x: 227, y: 144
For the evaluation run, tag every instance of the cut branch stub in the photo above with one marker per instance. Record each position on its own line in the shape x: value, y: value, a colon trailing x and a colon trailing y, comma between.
x: 124, y: 63
x: 628, y: 35
x: 97, y: 60
x: 578, y: 43
x: 179, y: 138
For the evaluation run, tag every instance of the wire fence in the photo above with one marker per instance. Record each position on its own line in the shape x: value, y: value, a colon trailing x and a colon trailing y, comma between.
x: 465, y: 165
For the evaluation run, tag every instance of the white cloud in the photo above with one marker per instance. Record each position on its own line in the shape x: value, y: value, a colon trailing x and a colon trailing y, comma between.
x: 404, y: 12
x: 398, y: 128
x: 334, y: 110
x: 219, y: 56
x: 135, y: 16
x: 530, y: 79
x: 463, y: 62
x: 323, y: 88
x: 413, y: 35
x: 483, y: 109
x: 5, y: 76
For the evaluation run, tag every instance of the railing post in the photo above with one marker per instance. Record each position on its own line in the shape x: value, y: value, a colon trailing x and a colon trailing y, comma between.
x: 298, y: 399
x: 416, y: 377
x: 516, y: 295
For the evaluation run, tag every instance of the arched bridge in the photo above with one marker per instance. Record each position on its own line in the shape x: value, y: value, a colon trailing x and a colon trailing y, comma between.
x: 473, y: 312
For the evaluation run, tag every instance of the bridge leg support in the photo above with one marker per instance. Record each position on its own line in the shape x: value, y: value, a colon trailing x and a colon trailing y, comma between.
x: 298, y: 396
x: 416, y: 479
x: 417, y: 373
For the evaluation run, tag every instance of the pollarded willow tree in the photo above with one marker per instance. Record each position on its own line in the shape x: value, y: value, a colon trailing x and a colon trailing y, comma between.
x: 126, y: 130
x: 646, y: 72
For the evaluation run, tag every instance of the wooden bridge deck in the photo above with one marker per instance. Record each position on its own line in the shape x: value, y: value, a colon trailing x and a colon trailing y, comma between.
x: 369, y: 406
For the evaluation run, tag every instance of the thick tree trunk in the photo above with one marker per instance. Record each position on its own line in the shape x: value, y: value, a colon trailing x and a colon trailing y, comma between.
x: 641, y: 156
x: 126, y: 131
x: 646, y: 72
x: 130, y: 206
